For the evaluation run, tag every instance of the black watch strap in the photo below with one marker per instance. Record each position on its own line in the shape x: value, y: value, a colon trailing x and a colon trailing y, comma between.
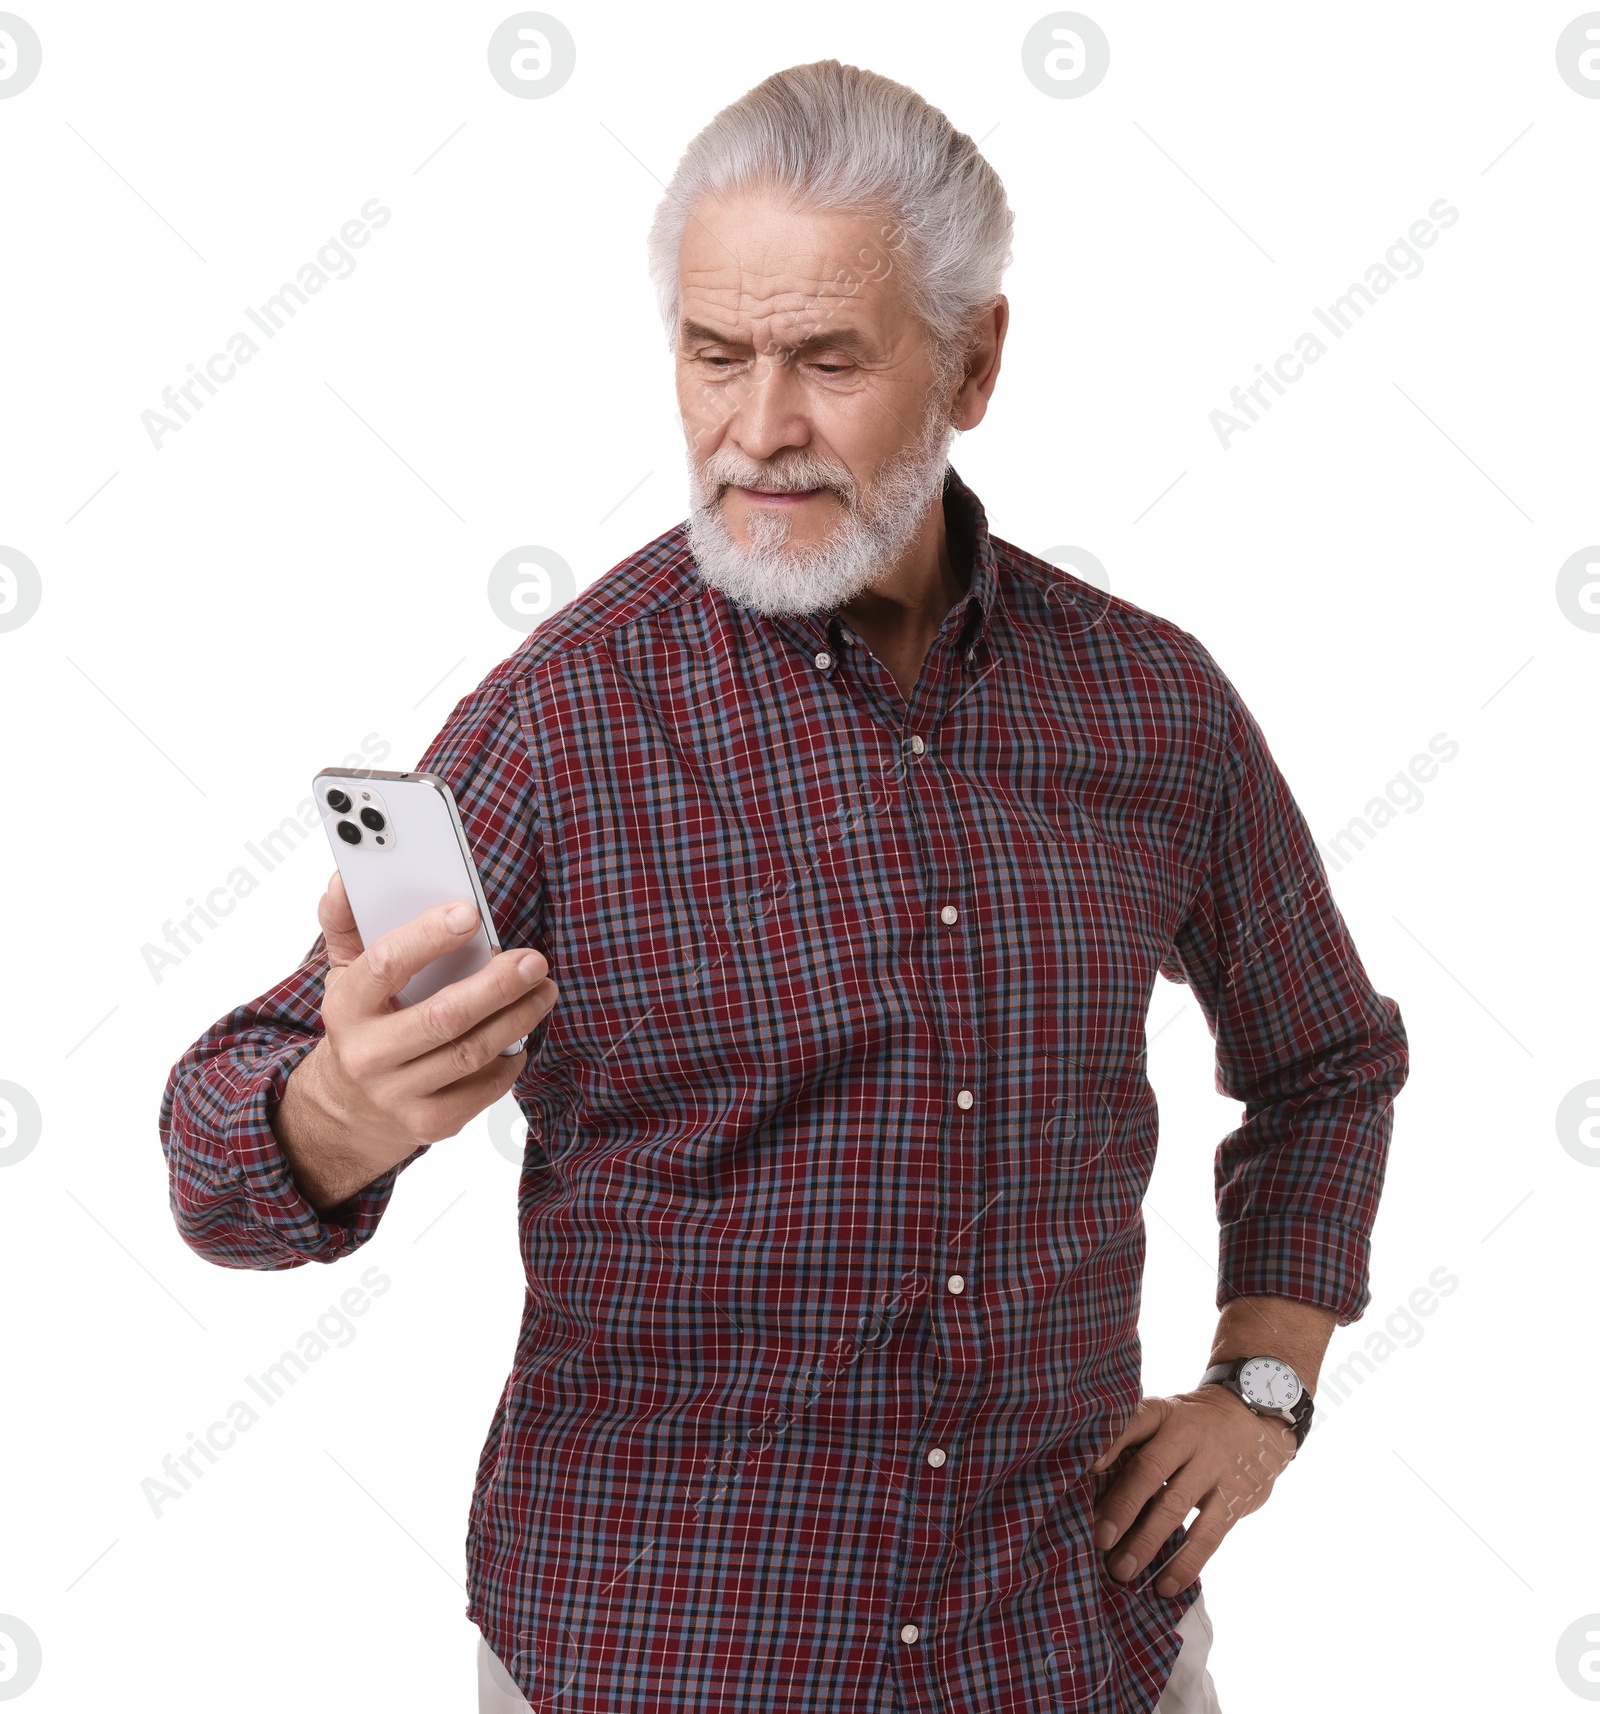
x: 1298, y: 1416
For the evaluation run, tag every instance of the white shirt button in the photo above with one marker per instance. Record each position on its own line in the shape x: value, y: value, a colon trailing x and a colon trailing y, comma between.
x: 964, y: 1099
x: 917, y: 746
x: 936, y: 1457
x: 949, y: 914
x: 909, y: 1633
x: 956, y: 1284
x: 824, y: 660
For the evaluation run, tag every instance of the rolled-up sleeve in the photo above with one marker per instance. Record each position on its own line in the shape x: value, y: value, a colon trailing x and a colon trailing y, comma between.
x: 1316, y: 1055
x: 232, y: 1193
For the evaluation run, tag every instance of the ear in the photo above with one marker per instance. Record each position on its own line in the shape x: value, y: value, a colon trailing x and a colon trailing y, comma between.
x: 983, y: 365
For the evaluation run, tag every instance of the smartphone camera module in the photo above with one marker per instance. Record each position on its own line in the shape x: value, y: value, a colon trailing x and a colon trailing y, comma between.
x: 361, y: 816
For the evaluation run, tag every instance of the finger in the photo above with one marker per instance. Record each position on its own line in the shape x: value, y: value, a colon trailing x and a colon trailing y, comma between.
x: 384, y: 968
x: 1217, y: 1516
x: 1144, y: 1422
x: 1141, y: 1478
x: 469, y: 1052
x: 339, y: 930
x: 438, y: 1040
x: 1165, y: 1512
x: 446, y: 1112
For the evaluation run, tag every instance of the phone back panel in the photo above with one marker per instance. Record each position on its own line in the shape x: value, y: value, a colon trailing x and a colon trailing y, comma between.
x: 415, y: 861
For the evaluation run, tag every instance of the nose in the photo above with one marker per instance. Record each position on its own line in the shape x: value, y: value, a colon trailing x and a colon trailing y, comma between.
x: 768, y: 412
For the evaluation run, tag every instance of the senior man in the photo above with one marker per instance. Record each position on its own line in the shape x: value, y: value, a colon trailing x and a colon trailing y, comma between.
x: 854, y: 838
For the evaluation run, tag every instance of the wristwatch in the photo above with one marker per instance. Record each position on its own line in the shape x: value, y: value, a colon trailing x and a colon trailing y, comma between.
x: 1270, y: 1388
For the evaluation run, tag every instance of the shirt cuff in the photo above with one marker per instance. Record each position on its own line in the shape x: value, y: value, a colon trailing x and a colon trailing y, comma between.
x: 272, y: 1203
x: 1290, y: 1255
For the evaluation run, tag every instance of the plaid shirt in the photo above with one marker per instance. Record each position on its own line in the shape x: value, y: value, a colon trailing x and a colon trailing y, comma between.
x: 839, y: 1131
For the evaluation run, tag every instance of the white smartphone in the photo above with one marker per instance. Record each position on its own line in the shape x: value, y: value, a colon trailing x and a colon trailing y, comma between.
x: 401, y: 850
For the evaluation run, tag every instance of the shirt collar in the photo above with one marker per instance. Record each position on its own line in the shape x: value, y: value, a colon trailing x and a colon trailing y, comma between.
x: 968, y: 526
x: 971, y: 553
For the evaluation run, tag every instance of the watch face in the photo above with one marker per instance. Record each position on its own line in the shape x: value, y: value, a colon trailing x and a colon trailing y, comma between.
x: 1268, y: 1382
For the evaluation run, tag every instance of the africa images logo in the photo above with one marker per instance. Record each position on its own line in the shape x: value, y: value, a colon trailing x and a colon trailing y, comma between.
x: 1401, y: 261
x: 332, y: 262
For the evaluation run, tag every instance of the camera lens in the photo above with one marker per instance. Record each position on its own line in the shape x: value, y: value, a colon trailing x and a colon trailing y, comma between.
x: 349, y: 833
x: 338, y: 801
x: 371, y: 818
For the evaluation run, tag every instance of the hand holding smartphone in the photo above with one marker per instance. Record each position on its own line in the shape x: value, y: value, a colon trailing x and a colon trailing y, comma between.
x: 423, y: 1015
x: 401, y: 850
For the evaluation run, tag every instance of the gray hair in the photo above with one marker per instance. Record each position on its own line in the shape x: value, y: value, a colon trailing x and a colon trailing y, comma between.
x: 841, y: 138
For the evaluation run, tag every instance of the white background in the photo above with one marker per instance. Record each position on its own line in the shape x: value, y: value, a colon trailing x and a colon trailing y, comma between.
x: 305, y: 563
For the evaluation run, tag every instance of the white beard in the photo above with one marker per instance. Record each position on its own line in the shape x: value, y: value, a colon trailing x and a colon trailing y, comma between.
x: 862, y: 547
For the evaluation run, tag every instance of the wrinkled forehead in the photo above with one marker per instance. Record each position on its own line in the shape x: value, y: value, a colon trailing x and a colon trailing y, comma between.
x: 759, y: 269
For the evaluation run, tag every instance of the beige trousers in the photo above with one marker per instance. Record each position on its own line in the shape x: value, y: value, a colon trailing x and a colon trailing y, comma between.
x: 1189, y: 1690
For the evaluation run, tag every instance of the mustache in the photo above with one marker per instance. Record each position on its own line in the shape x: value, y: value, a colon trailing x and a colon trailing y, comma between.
x: 724, y: 477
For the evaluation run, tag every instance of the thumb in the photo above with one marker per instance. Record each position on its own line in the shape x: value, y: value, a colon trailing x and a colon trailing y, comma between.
x: 338, y: 921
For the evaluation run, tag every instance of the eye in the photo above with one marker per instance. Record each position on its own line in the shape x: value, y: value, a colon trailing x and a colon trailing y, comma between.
x: 831, y: 368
